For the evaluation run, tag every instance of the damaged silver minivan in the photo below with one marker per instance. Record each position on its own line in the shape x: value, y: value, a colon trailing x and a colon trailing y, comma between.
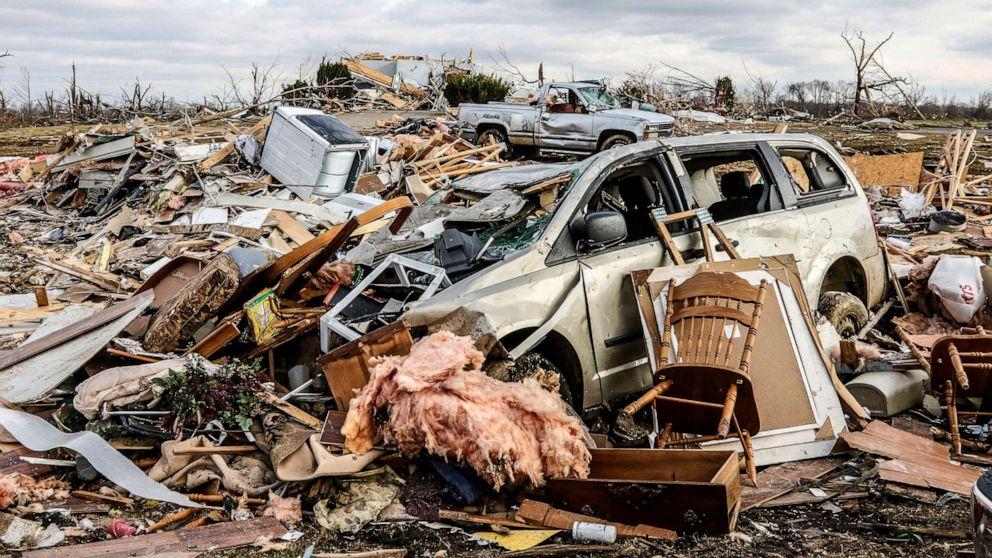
x: 567, y: 296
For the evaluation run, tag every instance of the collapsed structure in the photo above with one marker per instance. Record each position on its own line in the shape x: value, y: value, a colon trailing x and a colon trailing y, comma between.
x: 277, y: 314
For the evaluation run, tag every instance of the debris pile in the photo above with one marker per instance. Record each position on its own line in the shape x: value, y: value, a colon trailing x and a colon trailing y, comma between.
x: 247, y: 328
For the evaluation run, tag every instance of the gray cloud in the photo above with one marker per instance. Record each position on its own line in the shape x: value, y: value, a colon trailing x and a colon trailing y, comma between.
x: 182, y: 46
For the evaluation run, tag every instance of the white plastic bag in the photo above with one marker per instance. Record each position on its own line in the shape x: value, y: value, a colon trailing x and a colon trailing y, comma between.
x: 957, y: 281
x: 912, y: 205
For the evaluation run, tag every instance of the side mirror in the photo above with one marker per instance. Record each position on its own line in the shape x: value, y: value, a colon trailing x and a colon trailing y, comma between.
x: 598, y: 229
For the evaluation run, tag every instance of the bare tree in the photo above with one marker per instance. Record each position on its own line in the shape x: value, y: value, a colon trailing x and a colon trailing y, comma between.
x: 501, y: 61
x: 261, y: 84
x: 763, y: 90
x: 134, y: 99
x: 870, y: 74
x: 22, y: 91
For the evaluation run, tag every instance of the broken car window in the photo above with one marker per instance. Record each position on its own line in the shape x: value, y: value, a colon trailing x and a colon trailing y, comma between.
x: 598, y: 97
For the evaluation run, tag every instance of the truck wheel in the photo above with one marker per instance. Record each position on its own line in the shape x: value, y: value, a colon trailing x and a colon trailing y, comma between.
x: 492, y: 136
x: 616, y: 140
x: 844, y: 311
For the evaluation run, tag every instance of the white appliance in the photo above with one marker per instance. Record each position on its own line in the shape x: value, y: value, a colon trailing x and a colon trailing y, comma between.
x: 305, y: 147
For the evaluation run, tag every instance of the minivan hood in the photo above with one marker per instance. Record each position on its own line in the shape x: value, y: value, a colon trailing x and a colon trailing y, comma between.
x: 634, y: 114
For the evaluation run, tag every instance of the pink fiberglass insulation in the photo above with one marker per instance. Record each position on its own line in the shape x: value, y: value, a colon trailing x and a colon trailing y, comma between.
x: 437, y: 399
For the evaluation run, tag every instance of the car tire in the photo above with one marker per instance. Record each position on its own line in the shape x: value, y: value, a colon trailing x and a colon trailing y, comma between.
x: 616, y: 140
x: 844, y: 311
x: 492, y: 136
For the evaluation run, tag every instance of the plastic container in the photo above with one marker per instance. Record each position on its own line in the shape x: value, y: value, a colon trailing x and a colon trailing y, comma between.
x: 594, y: 532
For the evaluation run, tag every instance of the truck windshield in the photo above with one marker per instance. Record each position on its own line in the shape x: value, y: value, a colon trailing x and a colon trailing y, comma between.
x: 597, y: 96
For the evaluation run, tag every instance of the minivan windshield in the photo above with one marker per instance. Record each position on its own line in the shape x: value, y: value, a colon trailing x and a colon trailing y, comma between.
x: 597, y: 96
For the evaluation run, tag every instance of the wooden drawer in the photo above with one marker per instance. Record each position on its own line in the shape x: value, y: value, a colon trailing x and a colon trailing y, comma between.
x: 682, y: 490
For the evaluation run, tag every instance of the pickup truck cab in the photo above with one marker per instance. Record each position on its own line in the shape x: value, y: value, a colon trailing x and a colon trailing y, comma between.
x: 580, y: 117
x: 567, y: 295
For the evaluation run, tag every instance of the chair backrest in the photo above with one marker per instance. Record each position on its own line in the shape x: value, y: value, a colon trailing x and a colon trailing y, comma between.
x: 712, y: 316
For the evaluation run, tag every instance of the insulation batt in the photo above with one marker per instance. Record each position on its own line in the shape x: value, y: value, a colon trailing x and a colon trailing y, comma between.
x: 437, y: 399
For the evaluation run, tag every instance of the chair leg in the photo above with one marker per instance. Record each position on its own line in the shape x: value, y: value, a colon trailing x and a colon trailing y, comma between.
x: 745, y: 438
x: 723, y: 428
x: 665, y: 435
x: 952, y: 417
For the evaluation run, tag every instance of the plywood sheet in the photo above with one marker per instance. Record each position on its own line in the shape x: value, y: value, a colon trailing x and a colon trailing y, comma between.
x: 915, y: 460
x: 901, y: 169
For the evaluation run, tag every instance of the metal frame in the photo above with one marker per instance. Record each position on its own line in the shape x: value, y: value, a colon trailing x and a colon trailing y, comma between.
x: 402, y: 265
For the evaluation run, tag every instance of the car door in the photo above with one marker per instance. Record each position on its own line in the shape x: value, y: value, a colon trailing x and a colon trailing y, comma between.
x: 563, y: 121
x: 779, y: 228
x: 839, y: 223
x: 616, y: 334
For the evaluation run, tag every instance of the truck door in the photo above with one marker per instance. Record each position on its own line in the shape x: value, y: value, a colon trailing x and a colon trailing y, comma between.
x: 563, y: 121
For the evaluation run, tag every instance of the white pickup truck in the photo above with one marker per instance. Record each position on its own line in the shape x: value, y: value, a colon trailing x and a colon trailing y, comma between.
x: 579, y: 117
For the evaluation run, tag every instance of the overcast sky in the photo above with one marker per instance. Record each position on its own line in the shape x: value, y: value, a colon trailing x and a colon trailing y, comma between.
x: 181, y: 47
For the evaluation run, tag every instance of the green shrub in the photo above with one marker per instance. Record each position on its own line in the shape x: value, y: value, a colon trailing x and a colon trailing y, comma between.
x: 335, y: 74
x: 474, y: 88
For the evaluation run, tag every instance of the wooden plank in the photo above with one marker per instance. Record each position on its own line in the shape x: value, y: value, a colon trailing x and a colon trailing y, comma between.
x: 781, y: 479
x: 881, y: 439
x: 219, y: 536
x: 533, y: 512
x: 311, y: 209
x: 102, y: 317
x: 293, y: 229
x: 293, y: 411
x: 949, y: 477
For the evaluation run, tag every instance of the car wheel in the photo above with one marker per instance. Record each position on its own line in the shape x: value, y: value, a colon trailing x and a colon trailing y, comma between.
x: 492, y: 136
x: 844, y: 311
x: 616, y: 140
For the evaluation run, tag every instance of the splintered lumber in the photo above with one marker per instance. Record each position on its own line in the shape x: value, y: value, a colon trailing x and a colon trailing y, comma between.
x: 219, y: 536
x: 85, y: 325
x: 485, y: 520
x: 311, y: 209
x: 41, y: 296
x: 293, y: 411
x: 380, y: 78
x: 539, y: 513
x: 781, y: 479
x: 914, y: 460
x: 293, y: 229
x: 97, y: 497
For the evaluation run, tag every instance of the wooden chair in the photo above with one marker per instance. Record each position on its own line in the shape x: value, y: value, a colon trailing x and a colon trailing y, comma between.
x: 961, y: 363
x: 703, y: 387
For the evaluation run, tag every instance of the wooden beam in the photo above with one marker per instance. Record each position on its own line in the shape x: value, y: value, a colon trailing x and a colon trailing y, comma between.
x: 85, y: 325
